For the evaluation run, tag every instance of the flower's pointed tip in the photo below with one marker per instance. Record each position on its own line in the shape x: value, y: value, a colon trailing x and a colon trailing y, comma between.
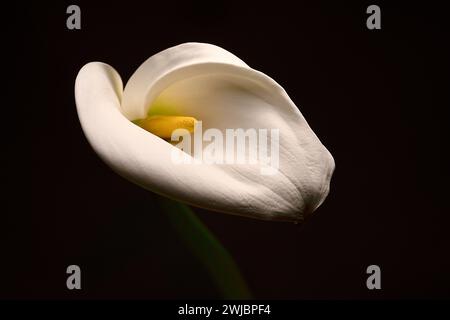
x: 98, y: 72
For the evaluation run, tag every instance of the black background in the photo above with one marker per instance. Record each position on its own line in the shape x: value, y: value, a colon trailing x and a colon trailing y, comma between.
x: 374, y: 98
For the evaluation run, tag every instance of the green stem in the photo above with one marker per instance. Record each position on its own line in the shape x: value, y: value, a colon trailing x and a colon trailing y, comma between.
x: 216, y: 259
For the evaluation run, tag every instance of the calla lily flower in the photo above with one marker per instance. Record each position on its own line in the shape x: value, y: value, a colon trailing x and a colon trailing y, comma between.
x: 196, y: 81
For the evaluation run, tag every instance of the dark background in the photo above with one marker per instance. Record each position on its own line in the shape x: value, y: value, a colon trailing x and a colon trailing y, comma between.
x: 374, y: 98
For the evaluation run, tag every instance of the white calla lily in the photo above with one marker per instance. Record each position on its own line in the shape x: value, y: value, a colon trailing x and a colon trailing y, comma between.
x: 212, y: 85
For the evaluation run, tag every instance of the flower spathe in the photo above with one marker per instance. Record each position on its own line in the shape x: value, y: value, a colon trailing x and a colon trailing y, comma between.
x: 210, y: 84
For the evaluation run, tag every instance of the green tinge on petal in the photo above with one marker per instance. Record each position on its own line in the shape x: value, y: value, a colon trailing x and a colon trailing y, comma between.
x: 216, y: 259
x: 160, y: 107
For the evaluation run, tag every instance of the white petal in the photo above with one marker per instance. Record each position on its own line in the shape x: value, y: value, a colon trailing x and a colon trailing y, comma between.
x: 216, y: 87
x: 155, y: 74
